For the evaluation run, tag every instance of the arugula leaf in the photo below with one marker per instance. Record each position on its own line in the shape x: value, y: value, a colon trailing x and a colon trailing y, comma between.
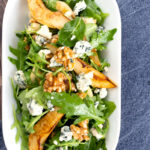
x: 92, y: 10
x: 90, y: 145
x: 75, y: 28
x: 110, y: 107
x: 23, y: 100
x: 20, y: 131
x: 37, y: 94
x: 102, y: 38
x: 73, y: 105
x: 100, y: 68
x: 50, y: 4
x: 90, y: 28
x: 29, y: 124
x: 71, y: 3
x: 15, y: 92
x: 20, y: 54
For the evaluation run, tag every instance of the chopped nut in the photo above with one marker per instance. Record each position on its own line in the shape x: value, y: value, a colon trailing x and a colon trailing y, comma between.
x: 54, y: 39
x: 57, y: 83
x: 65, y: 56
x: 80, y: 132
x: 82, y: 95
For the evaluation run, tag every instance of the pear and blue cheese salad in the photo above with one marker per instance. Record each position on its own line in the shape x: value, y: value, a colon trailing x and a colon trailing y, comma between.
x: 59, y: 86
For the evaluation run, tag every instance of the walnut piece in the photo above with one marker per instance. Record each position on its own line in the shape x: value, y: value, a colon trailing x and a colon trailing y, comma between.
x: 54, y: 39
x: 57, y: 83
x: 80, y: 132
x: 65, y: 56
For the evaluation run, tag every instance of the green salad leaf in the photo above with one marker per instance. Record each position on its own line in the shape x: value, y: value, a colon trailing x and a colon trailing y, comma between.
x: 50, y: 4
x: 101, y: 38
x: 23, y: 100
x: 20, y: 53
x: 92, y: 10
x: 29, y: 124
x: 89, y: 145
x: 90, y: 29
x: 15, y: 93
x: 20, y: 131
x: 74, y: 28
x: 110, y: 107
x: 71, y: 3
x: 73, y: 105
x: 36, y: 93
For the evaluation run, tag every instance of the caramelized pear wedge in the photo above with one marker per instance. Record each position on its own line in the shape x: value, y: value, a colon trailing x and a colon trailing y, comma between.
x: 43, y: 15
x: 43, y: 129
x: 99, y: 79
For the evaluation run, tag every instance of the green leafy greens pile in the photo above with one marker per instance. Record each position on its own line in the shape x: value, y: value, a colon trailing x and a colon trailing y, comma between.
x: 27, y: 59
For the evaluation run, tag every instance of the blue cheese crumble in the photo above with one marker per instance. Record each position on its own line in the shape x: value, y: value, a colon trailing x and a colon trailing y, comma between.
x: 53, y: 63
x: 102, y: 92
x: 80, y: 6
x: 50, y: 106
x: 81, y: 48
x: 66, y: 134
x: 20, y: 79
x: 84, y: 81
x: 96, y: 134
x: 44, y: 31
x: 40, y: 40
x: 44, y: 52
x: 34, y: 108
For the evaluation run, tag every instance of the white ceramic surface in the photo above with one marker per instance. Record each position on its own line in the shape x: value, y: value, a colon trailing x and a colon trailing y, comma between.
x: 15, y: 18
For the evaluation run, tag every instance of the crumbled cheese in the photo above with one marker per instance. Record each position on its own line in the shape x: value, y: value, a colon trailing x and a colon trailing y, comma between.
x: 73, y: 37
x: 20, y: 79
x: 68, y: 14
x: 60, y: 148
x: 106, y: 69
x: 66, y: 134
x: 89, y: 92
x: 34, y: 108
x: 53, y: 63
x: 102, y: 92
x: 63, y: 148
x: 52, y: 97
x: 96, y: 104
x: 81, y: 48
x: 40, y: 40
x: 33, y: 27
x: 50, y: 106
x: 84, y: 81
x: 99, y: 29
x: 55, y: 142
x: 44, y: 52
x: 80, y: 6
x: 44, y: 31
x: 96, y: 91
x: 100, y: 126
x: 96, y: 134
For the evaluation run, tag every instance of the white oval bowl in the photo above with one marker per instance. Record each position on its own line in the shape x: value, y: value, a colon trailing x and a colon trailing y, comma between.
x: 15, y: 19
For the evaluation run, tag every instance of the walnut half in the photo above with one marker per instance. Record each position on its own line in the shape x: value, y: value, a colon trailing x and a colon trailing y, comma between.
x: 80, y: 132
x: 57, y: 83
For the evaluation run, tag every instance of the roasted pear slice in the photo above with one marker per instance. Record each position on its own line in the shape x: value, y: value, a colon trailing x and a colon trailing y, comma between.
x: 43, y: 129
x: 41, y: 14
x: 99, y: 79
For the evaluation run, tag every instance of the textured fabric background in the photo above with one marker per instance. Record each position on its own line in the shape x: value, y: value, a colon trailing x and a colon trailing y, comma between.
x: 135, y: 128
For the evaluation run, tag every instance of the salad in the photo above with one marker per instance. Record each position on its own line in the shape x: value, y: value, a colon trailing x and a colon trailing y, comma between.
x: 59, y: 86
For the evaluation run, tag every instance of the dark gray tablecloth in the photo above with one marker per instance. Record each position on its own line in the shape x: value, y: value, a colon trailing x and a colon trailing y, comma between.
x: 135, y: 128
